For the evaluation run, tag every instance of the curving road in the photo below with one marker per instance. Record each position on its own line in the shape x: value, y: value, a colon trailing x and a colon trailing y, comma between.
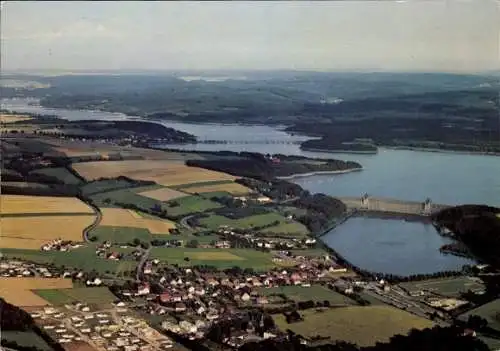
x: 140, y: 267
x: 91, y: 227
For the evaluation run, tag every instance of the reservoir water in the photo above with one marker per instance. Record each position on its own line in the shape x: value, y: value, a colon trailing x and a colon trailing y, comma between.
x: 387, y: 245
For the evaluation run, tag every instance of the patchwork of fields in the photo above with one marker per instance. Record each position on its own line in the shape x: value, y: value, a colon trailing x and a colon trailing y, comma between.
x: 214, y: 257
x: 18, y: 291
x: 167, y: 173
x: 232, y: 188
x: 361, y: 325
x: 117, y: 217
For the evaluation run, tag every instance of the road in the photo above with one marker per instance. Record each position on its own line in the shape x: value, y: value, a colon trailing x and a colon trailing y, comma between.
x: 183, y: 222
x: 91, y: 227
x: 142, y: 262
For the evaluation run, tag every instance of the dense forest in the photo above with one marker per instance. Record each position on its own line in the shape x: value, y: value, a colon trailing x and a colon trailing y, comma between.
x: 478, y: 226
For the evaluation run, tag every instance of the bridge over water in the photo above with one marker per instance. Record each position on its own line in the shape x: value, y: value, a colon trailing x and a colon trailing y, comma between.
x: 367, y: 203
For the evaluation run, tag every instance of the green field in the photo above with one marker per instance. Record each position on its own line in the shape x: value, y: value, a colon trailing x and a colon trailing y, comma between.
x: 25, y: 338
x: 190, y: 204
x: 210, y: 194
x: 98, y: 295
x: 315, y: 293
x: 310, y: 252
x: 190, y: 185
x: 127, y: 196
x: 361, y: 325
x: 288, y: 228
x: 215, y: 221
x: 489, y: 311
x: 60, y: 173
x: 121, y: 235
x: 100, y: 186
x: 82, y: 258
x: 221, y: 258
x: 451, y: 287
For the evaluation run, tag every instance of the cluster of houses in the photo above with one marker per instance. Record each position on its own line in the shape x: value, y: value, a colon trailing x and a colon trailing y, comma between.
x: 106, y: 330
x: 201, y: 297
x: 13, y: 268
x: 60, y: 245
x: 104, y: 251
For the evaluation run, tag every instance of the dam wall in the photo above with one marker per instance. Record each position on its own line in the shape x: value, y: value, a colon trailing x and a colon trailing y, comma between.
x: 381, y: 205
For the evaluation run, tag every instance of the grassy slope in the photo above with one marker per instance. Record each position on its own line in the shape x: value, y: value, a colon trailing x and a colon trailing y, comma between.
x: 315, y: 293
x: 361, y: 325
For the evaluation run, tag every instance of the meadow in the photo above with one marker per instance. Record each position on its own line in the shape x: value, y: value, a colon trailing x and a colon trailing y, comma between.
x: 361, y: 325
x: 221, y: 258
x: 489, y: 311
x: 97, y: 295
x: 314, y: 292
x: 18, y: 291
x: 285, y: 226
x: 59, y: 173
x: 167, y: 173
x: 26, y: 339
x: 190, y: 204
x: 451, y: 287
x: 14, y: 204
x: 232, y: 188
x: 163, y: 194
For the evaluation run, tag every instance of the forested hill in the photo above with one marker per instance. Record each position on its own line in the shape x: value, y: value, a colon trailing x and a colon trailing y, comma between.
x: 478, y: 226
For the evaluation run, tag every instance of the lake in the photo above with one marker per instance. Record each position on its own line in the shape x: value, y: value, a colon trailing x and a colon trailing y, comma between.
x: 447, y: 178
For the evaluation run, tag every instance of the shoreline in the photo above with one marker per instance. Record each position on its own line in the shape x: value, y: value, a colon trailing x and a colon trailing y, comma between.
x: 300, y: 175
x: 443, y: 151
x: 310, y: 149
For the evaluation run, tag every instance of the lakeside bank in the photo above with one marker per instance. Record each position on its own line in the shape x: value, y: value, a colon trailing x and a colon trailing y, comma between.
x: 300, y: 175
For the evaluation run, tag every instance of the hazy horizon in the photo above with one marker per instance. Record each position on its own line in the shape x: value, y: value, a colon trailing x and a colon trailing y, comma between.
x: 351, y: 36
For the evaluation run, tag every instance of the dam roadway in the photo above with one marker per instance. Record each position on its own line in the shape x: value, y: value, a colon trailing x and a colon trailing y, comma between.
x: 394, y: 208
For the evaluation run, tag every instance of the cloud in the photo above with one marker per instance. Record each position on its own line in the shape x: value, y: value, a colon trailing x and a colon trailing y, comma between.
x: 81, y: 29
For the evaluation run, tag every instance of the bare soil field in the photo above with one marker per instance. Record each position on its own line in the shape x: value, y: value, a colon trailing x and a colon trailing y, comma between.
x: 16, y: 204
x: 17, y: 291
x: 232, y: 188
x: 166, y: 173
x: 27, y: 232
x: 163, y: 194
x: 117, y: 217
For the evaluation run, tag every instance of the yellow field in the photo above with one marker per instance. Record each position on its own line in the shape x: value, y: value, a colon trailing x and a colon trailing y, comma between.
x: 17, y: 290
x: 118, y: 217
x: 8, y: 118
x: 11, y: 204
x: 42, y: 228
x: 21, y: 243
x: 216, y: 256
x: 163, y: 194
x: 166, y: 173
x: 361, y: 325
x: 232, y: 188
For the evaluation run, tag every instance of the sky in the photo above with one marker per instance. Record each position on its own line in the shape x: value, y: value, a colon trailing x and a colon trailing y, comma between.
x: 412, y: 35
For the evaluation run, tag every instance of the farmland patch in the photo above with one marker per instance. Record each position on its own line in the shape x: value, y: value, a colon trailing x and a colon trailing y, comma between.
x: 17, y: 291
x: 116, y: 217
x: 12, y: 204
x: 163, y: 194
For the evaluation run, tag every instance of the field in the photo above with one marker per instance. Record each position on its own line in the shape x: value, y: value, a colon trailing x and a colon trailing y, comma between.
x: 82, y: 258
x: 489, y: 311
x: 116, y: 217
x: 226, y: 258
x: 451, y: 287
x: 215, y: 221
x: 361, y: 325
x: 17, y: 291
x: 315, y: 293
x: 98, y: 296
x: 26, y: 339
x: 163, y: 194
x: 101, y: 186
x: 120, y: 235
x: 191, y: 204
x: 34, y: 231
x: 60, y: 173
x: 8, y: 118
x: 166, y: 173
x: 14, y: 204
x: 232, y: 188
x: 287, y: 228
